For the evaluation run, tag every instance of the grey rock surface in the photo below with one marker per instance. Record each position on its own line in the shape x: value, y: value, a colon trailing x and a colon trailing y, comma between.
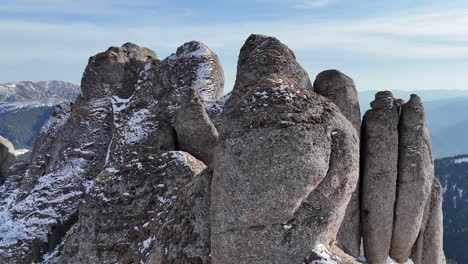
x: 153, y: 165
x: 71, y: 150
x: 428, y: 247
x: 286, y: 157
x: 150, y: 203
x: 7, y: 157
x: 341, y: 90
x: 379, y: 176
x: 114, y: 72
x: 272, y: 57
x: 183, y: 83
x: 415, y: 176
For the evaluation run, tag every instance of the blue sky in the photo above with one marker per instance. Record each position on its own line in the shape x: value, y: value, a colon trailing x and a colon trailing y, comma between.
x: 399, y: 44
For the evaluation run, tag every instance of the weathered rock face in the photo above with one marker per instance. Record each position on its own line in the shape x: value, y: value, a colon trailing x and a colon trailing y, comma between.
x: 272, y: 57
x: 379, y: 176
x: 152, y: 165
x: 7, y: 157
x: 164, y: 192
x: 285, y: 158
x: 114, y: 72
x: 69, y: 153
x: 398, y: 206
x: 183, y: 83
x: 415, y: 176
x: 340, y: 89
x: 428, y: 247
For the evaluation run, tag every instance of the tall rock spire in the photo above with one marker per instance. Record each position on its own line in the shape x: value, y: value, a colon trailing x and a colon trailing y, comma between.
x: 341, y: 90
x: 415, y: 177
x: 379, y: 176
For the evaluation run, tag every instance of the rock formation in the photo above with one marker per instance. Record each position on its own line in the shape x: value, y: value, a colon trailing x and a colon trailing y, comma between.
x: 283, y: 152
x: 379, y: 176
x: 340, y: 89
x: 428, y: 247
x: 415, y: 177
x: 152, y: 164
x: 398, y: 206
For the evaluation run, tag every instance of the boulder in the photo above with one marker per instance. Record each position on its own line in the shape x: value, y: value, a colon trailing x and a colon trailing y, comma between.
x: 286, y: 164
x: 415, y: 177
x: 7, y: 157
x: 183, y: 83
x: 261, y: 56
x: 340, y: 89
x: 114, y: 72
x: 379, y: 176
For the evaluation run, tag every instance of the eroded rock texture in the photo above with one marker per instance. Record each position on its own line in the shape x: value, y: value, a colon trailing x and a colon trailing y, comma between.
x: 340, y: 89
x: 152, y: 164
x: 415, y: 176
x: 379, y: 176
x: 429, y: 247
x: 182, y: 84
x: 285, y: 166
x: 401, y: 212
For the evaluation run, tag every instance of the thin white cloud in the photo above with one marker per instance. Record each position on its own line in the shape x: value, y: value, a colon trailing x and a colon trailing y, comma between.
x: 417, y: 36
x: 83, y: 7
x: 420, y: 37
x: 308, y: 4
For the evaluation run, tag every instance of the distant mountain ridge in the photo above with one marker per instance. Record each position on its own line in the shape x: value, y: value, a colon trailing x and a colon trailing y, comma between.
x: 25, y: 106
x: 426, y: 95
x: 26, y: 90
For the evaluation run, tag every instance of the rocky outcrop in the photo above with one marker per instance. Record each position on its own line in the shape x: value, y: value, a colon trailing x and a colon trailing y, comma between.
x: 415, y: 177
x: 183, y: 83
x: 153, y: 165
x: 283, y: 153
x: 70, y: 152
x: 155, y: 197
x: 398, y: 206
x: 379, y: 176
x: 7, y: 157
x: 340, y: 89
x: 114, y: 72
x: 277, y: 58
